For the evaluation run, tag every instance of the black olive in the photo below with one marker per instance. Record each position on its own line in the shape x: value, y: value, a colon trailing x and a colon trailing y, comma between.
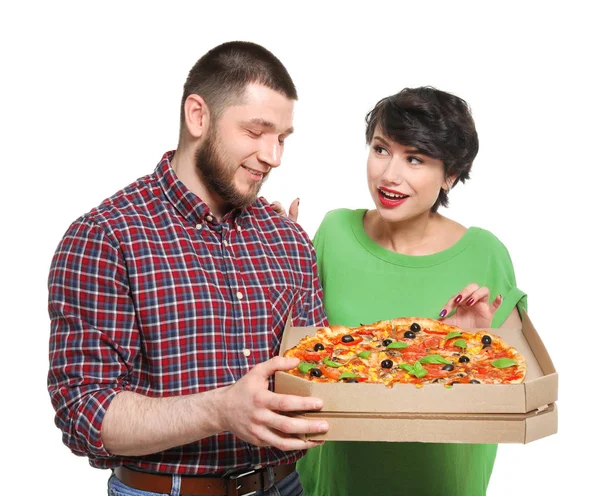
x: 448, y: 366
x: 315, y: 372
x: 486, y: 340
x: 319, y: 347
x: 386, y: 342
x: 351, y: 380
x: 347, y: 338
x: 435, y: 381
x: 409, y: 335
x: 474, y: 381
x: 486, y: 346
x: 415, y: 327
x: 464, y: 359
x: 387, y: 364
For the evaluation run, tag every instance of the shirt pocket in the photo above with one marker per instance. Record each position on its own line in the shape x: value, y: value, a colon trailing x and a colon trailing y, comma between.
x: 282, y: 300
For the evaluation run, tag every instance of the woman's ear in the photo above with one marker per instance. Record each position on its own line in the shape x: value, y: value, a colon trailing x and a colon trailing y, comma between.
x: 448, y: 183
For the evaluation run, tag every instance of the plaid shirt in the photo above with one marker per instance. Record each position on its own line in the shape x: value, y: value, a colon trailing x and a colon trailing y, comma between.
x: 150, y: 293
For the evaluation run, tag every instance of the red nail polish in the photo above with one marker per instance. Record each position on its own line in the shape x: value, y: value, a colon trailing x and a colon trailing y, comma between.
x: 443, y: 313
x: 470, y: 301
x: 458, y: 299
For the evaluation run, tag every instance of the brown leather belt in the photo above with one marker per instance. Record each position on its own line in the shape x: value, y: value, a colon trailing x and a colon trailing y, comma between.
x: 231, y: 485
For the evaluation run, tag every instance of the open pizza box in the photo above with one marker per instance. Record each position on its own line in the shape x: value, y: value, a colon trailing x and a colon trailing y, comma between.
x: 464, y: 413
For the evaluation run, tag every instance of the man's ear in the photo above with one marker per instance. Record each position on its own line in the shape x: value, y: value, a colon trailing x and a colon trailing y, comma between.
x: 197, y: 116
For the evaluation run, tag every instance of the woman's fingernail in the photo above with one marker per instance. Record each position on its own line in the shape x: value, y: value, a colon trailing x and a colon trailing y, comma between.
x: 458, y: 299
x: 470, y: 301
x: 501, y: 297
x: 443, y: 313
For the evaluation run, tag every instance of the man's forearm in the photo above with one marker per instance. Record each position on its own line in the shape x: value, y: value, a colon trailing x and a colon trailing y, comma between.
x: 136, y: 425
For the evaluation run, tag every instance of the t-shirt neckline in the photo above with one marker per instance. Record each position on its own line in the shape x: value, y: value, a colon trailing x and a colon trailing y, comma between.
x: 408, y: 260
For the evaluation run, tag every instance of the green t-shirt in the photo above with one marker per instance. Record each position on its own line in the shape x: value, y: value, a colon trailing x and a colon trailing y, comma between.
x: 364, y: 282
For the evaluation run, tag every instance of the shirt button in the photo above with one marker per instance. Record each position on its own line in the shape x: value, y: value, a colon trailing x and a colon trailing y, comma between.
x: 209, y: 218
x: 239, y: 295
x: 239, y: 228
x: 225, y: 243
x: 198, y: 227
x: 257, y: 467
x: 246, y: 352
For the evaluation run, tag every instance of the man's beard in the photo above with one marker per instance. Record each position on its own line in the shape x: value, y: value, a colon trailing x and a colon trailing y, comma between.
x: 218, y: 175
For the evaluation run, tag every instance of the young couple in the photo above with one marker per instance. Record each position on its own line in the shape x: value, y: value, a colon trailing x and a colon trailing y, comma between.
x: 168, y: 300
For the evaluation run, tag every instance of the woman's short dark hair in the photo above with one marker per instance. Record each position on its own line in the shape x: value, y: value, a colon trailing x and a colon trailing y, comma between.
x: 436, y: 123
x: 221, y: 75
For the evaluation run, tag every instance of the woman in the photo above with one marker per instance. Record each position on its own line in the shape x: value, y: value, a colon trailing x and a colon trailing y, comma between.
x: 403, y: 258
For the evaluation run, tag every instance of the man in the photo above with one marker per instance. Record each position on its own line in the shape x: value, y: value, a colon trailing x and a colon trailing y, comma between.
x: 169, y: 299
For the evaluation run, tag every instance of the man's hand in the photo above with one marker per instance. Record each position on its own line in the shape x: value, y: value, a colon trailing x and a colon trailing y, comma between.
x: 293, y: 213
x: 252, y: 412
x: 473, y: 309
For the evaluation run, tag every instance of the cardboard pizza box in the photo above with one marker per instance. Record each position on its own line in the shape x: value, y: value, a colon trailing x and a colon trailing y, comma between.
x: 466, y: 413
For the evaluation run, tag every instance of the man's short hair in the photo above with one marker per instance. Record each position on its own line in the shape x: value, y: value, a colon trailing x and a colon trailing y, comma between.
x: 220, y: 77
x: 436, y: 123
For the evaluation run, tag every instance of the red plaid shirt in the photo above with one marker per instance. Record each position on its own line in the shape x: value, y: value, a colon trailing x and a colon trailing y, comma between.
x: 149, y: 293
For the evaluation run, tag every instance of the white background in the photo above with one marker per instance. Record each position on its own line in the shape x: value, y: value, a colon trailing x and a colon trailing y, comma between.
x: 90, y: 98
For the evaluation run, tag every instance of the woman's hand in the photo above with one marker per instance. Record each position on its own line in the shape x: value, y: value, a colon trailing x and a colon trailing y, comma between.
x: 472, y: 308
x: 293, y: 213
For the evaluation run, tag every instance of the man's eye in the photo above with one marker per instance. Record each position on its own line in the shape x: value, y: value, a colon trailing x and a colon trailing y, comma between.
x: 254, y: 134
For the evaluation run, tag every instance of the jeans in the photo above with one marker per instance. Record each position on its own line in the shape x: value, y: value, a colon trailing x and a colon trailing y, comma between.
x: 288, y: 486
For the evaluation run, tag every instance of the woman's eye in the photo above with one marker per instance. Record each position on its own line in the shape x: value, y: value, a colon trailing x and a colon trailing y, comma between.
x: 380, y: 150
x: 414, y: 160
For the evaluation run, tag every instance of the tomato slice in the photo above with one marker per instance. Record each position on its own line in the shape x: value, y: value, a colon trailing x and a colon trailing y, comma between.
x: 434, y: 370
x: 365, y: 332
x: 308, y: 356
x: 331, y: 373
x: 432, y: 342
x: 430, y: 331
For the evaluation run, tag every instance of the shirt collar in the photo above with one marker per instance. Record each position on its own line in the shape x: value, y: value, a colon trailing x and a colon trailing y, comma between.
x: 187, y: 203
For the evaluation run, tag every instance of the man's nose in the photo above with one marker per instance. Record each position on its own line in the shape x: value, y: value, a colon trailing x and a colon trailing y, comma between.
x: 270, y: 153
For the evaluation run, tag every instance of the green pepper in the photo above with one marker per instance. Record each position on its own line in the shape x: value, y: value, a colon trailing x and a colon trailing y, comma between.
x: 328, y: 362
x: 433, y: 359
x: 502, y: 363
x: 396, y: 345
x: 347, y: 375
x: 304, y: 367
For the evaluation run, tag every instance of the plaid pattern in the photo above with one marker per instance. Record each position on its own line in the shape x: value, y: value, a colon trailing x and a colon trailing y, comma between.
x: 148, y: 293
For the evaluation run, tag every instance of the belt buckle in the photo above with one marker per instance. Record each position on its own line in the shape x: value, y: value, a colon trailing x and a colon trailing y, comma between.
x: 233, y: 486
x: 270, y: 481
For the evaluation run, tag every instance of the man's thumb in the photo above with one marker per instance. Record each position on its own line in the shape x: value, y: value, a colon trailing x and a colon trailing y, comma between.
x: 268, y: 368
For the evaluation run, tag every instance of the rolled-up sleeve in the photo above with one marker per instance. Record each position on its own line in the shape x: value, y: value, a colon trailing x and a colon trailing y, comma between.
x: 94, y: 337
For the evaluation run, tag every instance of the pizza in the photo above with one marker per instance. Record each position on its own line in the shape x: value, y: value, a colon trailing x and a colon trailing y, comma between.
x: 410, y: 350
